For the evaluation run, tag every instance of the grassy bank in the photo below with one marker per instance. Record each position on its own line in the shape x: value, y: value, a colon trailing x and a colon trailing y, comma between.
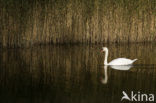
x: 26, y: 22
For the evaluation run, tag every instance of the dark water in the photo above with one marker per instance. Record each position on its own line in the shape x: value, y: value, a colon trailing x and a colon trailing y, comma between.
x: 74, y: 74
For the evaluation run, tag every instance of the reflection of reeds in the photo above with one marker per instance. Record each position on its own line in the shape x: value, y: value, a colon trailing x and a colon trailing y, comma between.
x: 25, y: 23
x: 70, y: 61
x: 72, y: 69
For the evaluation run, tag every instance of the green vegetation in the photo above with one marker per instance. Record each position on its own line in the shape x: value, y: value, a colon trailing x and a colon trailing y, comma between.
x: 26, y: 22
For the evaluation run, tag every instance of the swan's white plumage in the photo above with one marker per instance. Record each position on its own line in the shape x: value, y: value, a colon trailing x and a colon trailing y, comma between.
x: 121, y: 61
x: 118, y: 61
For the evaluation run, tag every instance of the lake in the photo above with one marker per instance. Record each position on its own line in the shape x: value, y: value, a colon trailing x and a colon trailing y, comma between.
x: 75, y: 73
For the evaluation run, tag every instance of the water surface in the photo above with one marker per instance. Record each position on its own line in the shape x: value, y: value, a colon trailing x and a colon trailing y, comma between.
x: 74, y: 74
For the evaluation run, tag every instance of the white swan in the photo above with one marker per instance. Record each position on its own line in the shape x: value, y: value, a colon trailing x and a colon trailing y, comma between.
x: 118, y: 61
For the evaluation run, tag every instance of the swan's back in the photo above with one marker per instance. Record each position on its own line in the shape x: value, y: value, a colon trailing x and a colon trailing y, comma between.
x: 122, y: 61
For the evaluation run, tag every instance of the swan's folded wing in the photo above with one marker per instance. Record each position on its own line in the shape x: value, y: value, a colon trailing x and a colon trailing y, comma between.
x: 121, y: 61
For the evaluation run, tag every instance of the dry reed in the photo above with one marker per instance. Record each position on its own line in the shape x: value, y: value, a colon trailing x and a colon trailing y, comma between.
x: 25, y: 22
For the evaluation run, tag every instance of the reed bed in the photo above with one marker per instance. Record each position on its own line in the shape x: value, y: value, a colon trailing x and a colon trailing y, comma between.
x: 27, y: 22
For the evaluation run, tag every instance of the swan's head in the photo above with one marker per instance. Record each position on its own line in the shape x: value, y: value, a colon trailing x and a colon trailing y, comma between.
x: 104, y: 49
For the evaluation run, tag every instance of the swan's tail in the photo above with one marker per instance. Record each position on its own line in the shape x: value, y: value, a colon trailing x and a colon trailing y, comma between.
x: 135, y: 60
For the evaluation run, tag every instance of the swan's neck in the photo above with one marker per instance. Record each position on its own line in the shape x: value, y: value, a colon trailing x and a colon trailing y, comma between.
x: 106, y: 57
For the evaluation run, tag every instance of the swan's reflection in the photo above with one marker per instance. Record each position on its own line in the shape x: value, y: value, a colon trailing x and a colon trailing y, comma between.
x: 121, y: 67
x: 116, y: 67
x: 105, y: 79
